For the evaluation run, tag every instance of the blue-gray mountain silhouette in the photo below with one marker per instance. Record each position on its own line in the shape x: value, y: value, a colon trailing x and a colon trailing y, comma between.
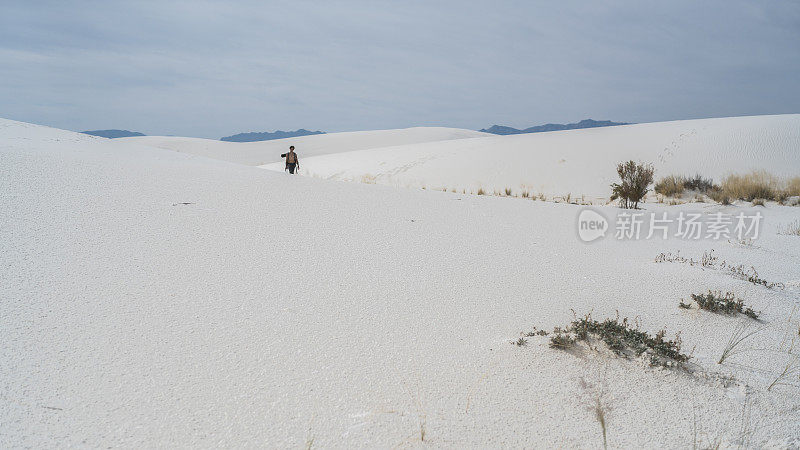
x: 111, y: 134
x: 586, y: 123
x: 267, y: 136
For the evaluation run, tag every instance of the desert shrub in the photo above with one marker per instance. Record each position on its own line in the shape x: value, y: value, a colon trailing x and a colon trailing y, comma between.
x: 526, y: 194
x: 507, y: 192
x: 758, y: 202
x: 670, y: 186
x: 698, y: 183
x: 726, y: 303
x: 635, y: 180
x: 756, y: 184
x: 481, y: 191
x: 521, y: 342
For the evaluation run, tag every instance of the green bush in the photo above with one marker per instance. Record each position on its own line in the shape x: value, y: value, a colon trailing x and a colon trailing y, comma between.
x: 635, y: 181
x: 726, y: 303
x: 622, y: 339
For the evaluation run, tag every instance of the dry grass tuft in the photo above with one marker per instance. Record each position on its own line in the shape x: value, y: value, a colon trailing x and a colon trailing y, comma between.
x: 671, y: 186
x: 793, y: 187
x: 743, y: 331
x: 758, y: 184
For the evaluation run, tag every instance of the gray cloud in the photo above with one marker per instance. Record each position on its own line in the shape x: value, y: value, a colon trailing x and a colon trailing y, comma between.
x: 209, y: 69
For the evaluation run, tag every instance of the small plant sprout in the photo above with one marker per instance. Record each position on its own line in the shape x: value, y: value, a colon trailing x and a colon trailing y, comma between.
x: 596, y: 404
x: 600, y: 415
x: 790, y: 371
x: 421, y: 415
x: 507, y: 191
x: 743, y: 331
x: 561, y: 340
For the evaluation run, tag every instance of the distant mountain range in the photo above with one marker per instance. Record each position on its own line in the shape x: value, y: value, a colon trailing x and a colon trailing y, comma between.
x: 267, y: 136
x: 587, y: 123
x: 111, y: 134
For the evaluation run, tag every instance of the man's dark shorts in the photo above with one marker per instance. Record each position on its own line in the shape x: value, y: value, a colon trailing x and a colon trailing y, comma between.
x: 291, y: 167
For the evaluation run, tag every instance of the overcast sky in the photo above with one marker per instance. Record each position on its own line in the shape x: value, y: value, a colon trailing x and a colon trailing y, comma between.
x: 210, y: 69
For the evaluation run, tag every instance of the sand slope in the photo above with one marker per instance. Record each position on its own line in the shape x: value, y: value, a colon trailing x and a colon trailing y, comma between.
x: 150, y: 298
x: 577, y: 162
x: 257, y: 153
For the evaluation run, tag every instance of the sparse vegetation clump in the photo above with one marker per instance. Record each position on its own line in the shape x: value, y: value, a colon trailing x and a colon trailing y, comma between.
x: 756, y: 187
x: 671, y: 186
x: 561, y: 340
x: 719, y: 196
x: 718, y: 302
x: 792, y: 229
x: 699, y: 183
x: 748, y: 187
x: 675, y: 185
x: 708, y: 260
x: 621, y: 338
x: 635, y: 181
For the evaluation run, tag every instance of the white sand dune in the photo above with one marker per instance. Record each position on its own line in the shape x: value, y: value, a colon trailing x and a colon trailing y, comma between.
x: 263, y: 152
x: 150, y: 298
x: 576, y: 162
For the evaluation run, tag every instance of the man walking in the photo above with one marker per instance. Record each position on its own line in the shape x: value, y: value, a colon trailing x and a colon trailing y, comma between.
x: 292, y: 163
